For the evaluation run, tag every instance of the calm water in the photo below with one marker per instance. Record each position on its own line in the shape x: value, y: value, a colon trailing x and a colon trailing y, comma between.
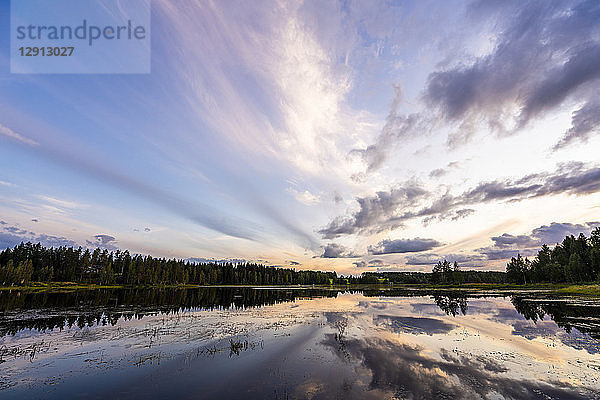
x: 297, y: 344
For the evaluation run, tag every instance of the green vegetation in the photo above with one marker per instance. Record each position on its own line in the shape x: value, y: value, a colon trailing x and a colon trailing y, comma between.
x: 28, y: 262
x: 575, y: 260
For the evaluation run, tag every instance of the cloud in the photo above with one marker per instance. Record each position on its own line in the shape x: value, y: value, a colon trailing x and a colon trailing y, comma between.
x: 103, y: 241
x: 494, y: 253
x: 146, y: 229
x: 393, y: 367
x: 506, y: 240
x: 15, y: 230
x: 13, y: 235
x: 556, y: 231
x: 585, y: 121
x: 563, y: 52
x: 404, y: 246
x: 16, y: 136
x: 376, y: 213
x: 60, y: 202
x: 375, y: 263
x: 389, y: 210
x: 498, y: 89
x: 439, y: 172
x: 397, y: 126
x: 434, y: 258
x: 506, y: 245
x: 305, y: 197
x: 334, y: 250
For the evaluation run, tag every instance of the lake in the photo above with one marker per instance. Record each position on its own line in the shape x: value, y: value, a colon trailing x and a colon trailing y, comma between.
x: 255, y: 343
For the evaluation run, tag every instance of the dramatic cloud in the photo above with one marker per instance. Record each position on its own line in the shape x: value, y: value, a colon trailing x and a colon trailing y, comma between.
x: 404, y: 246
x: 558, y: 65
x: 389, y: 210
x: 506, y: 245
x: 376, y: 213
x: 502, y: 90
x: 334, y: 250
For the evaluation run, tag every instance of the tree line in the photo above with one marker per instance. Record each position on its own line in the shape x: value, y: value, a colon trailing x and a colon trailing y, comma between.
x: 443, y: 273
x: 576, y: 259
x: 28, y: 262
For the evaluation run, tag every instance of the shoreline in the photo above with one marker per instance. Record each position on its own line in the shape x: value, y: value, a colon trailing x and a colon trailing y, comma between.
x: 592, y: 289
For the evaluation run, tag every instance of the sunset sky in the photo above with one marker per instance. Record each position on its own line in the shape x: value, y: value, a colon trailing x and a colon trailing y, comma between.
x: 350, y: 136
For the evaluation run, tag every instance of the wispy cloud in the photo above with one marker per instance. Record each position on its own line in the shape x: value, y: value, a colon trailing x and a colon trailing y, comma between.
x: 16, y: 136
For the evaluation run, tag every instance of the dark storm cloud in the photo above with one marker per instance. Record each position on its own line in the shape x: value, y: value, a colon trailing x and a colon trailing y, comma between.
x: 404, y: 246
x: 334, y: 250
x: 389, y: 210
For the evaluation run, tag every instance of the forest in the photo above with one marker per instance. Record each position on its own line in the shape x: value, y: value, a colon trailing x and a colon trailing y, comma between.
x: 28, y: 262
x: 576, y: 259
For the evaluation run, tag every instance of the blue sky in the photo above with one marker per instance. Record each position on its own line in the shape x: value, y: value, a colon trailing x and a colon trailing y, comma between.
x: 347, y: 136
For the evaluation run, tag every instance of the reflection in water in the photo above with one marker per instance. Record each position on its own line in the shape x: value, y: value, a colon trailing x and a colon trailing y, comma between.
x: 568, y: 314
x: 45, y: 311
x: 290, y: 343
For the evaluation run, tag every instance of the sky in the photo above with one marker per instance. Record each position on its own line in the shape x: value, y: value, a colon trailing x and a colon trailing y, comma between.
x: 334, y: 135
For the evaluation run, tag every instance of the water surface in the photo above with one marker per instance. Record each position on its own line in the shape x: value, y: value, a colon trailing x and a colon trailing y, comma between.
x: 259, y: 343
